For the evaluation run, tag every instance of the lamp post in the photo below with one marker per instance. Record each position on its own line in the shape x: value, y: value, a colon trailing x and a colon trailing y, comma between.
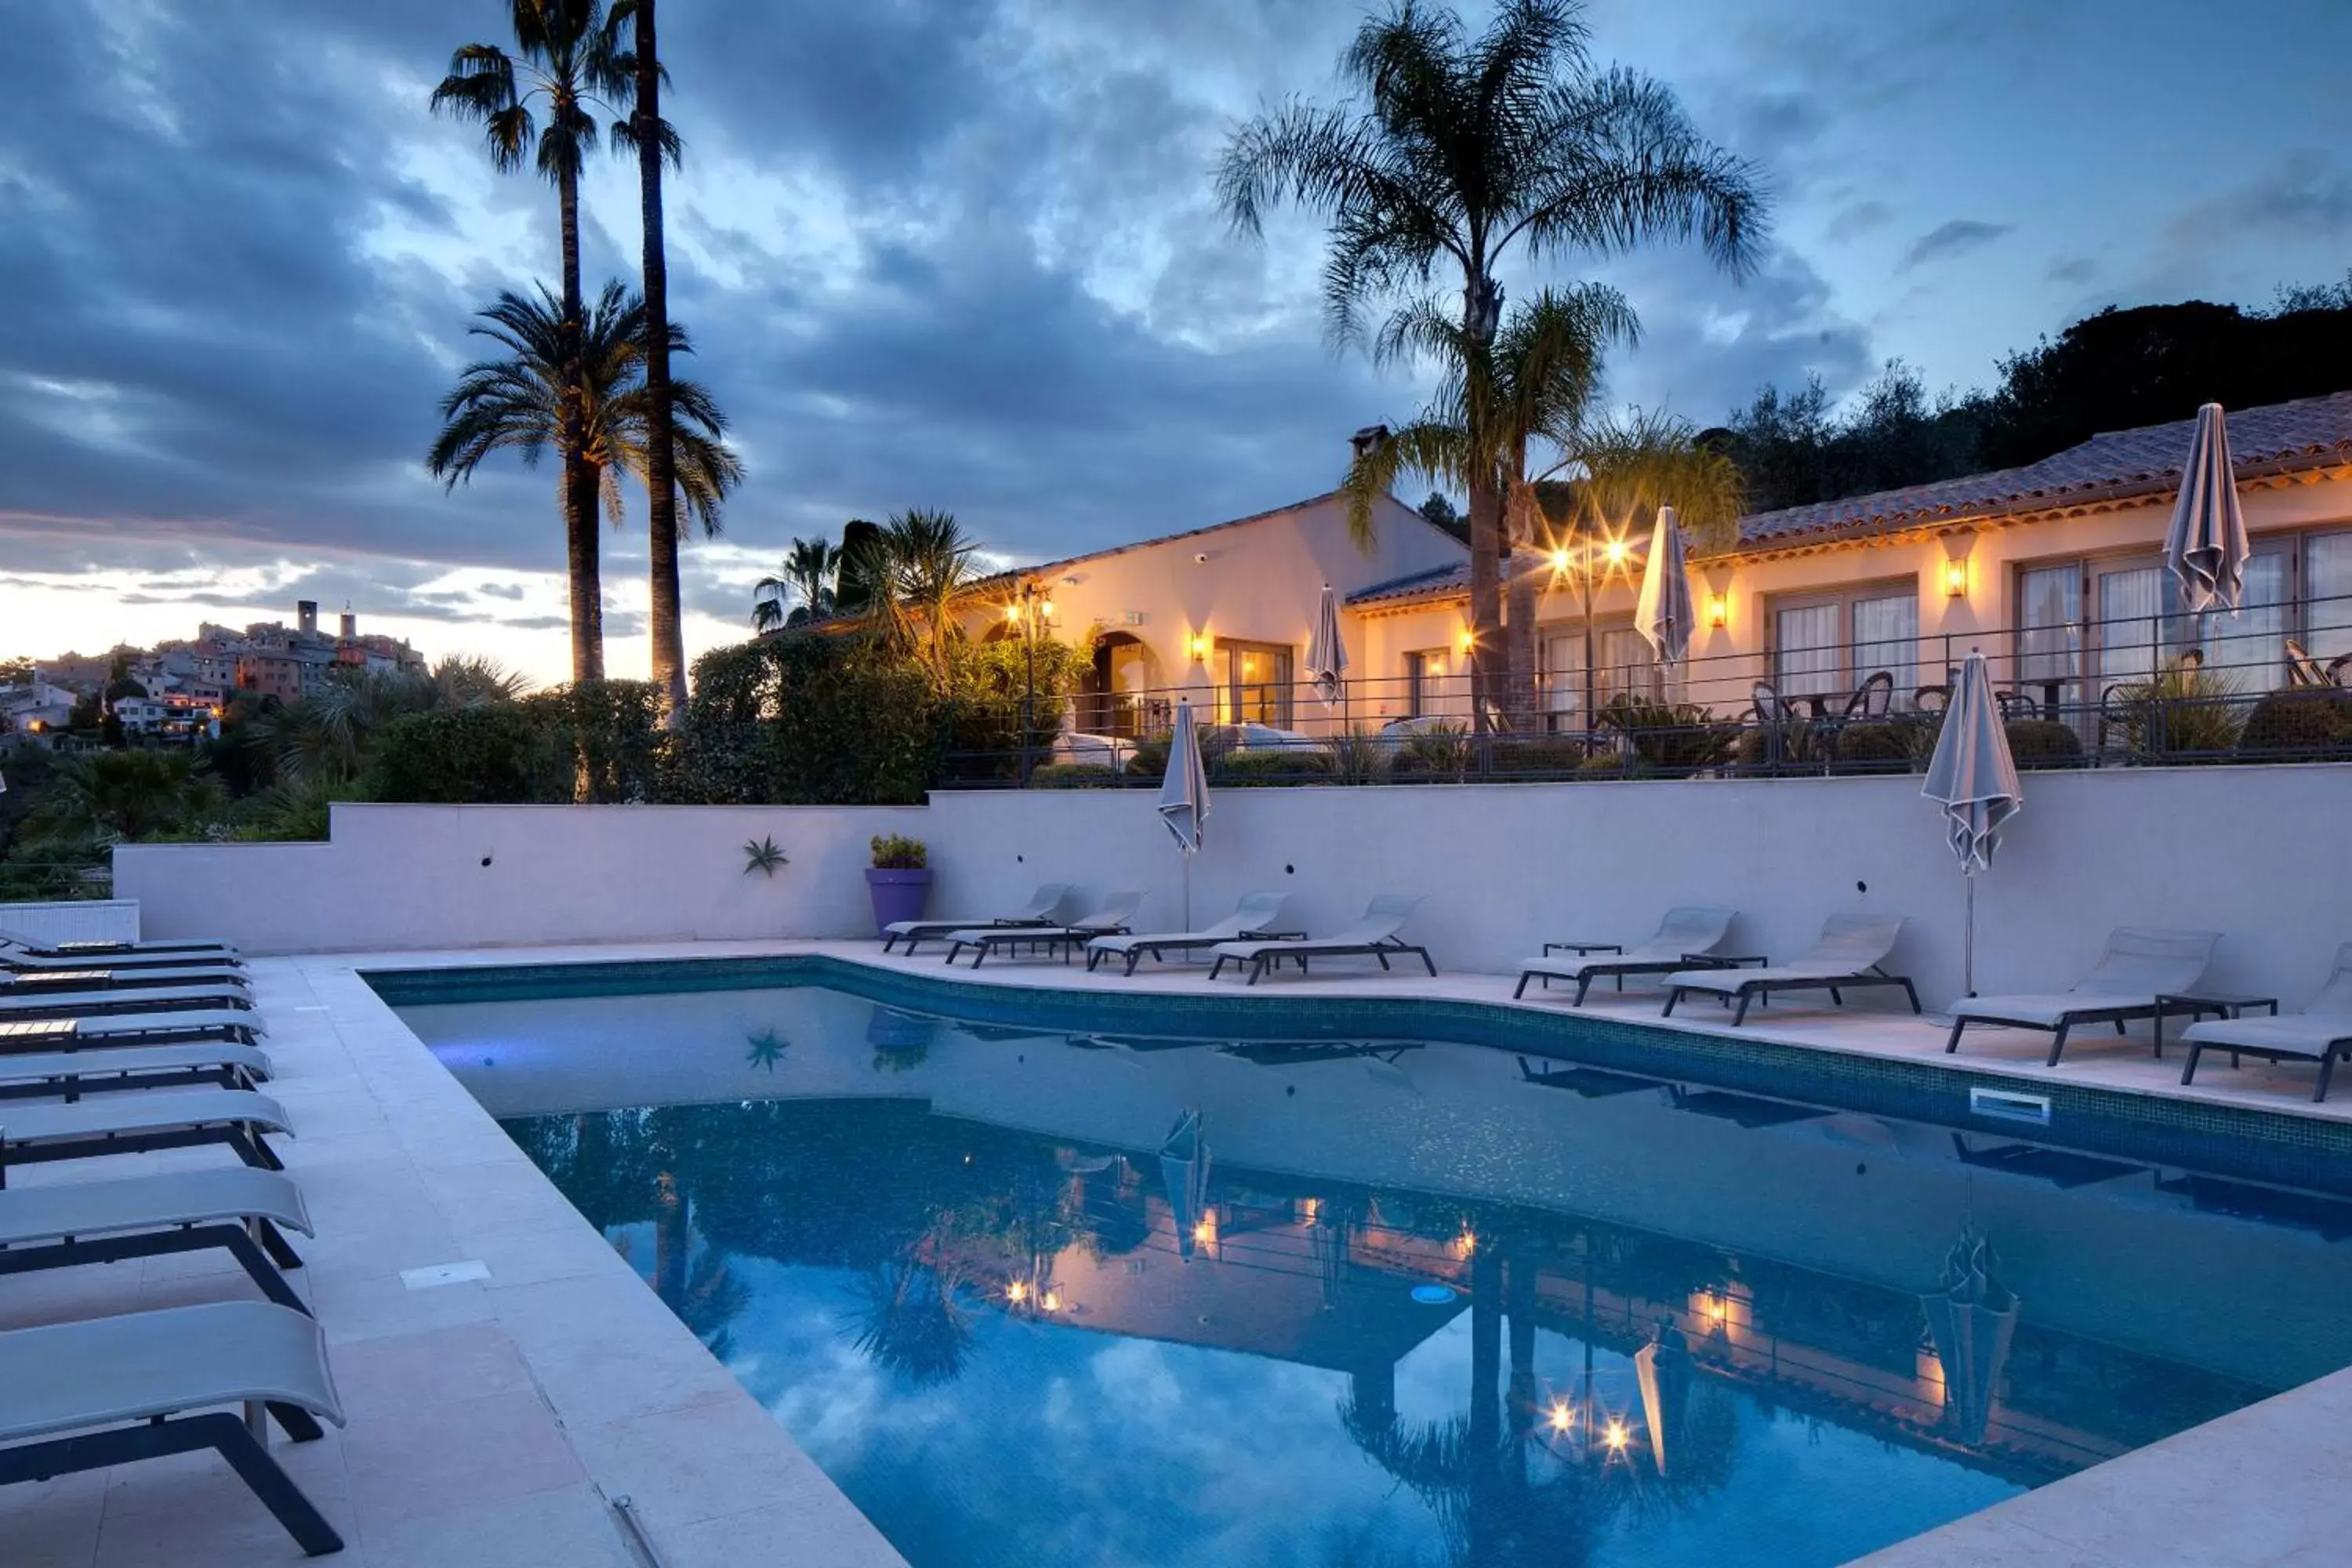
x: 1030, y: 611
x: 1592, y: 557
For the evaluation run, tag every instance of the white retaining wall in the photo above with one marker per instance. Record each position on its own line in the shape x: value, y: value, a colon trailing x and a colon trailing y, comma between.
x: 2263, y: 855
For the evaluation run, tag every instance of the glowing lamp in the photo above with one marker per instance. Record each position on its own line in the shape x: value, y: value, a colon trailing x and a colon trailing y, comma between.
x: 1200, y: 647
x: 1017, y: 1292
x: 1562, y: 1417
x: 1045, y: 607
x: 1616, y: 1436
x: 1466, y: 1243
x: 1617, y: 551
x: 1012, y: 612
x: 1560, y: 560
x: 1053, y: 1302
x: 1956, y: 578
x: 1718, y: 610
x: 1468, y: 640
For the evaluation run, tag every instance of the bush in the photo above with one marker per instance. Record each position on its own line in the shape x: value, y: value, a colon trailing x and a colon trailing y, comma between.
x: 1874, y: 748
x: 808, y: 719
x: 2298, y: 725
x: 503, y: 753
x: 612, y: 730
x: 2184, y: 714
x: 1669, y: 736
x: 1149, y: 759
x: 1787, y: 745
x: 896, y: 852
x: 1273, y: 767
x: 1441, y: 751
x: 1073, y: 775
x: 2043, y: 744
x: 1555, y: 759
x: 1359, y: 757
x: 1610, y: 765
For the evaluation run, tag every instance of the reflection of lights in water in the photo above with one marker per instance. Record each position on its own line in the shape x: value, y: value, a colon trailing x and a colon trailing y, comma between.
x: 1053, y: 1302
x: 1466, y: 1243
x: 1563, y: 1417
x: 1206, y: 1231
x: 1616, y: 1436
x: 1310, y: 1209
x: 1016, y: 1292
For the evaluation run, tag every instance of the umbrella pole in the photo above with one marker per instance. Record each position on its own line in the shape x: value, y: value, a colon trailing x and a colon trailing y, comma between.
x: 1969, y: 938
x: 1188, y: 888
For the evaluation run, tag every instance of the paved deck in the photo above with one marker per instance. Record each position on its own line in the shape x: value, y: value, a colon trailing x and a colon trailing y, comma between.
x: 493, y: 1420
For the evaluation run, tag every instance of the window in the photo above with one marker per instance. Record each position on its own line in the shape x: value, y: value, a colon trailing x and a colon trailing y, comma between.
x: 1828, y: 644
x: 1424, y: 681
x: 1622, y: 664
x: 1253, y: 685
x: 2326, y: 607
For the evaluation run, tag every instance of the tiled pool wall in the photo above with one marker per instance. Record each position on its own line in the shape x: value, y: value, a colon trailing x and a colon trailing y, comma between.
x: 2238, y: 1144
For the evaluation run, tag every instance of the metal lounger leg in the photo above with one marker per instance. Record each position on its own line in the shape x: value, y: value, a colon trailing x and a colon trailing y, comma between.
x: 1673, y: 996
x: 2189, y: 1073
x: 1953, y: 1044
x: 2058, y: 1042
x: 1584, y: 986
x: 1215, y: 970
x: 2326, y: 1070
x: 1427, y: 962
x: 274, y: 1486
x: 1257, y: 968
x: 1739, y: 1014
x: 1522, y: 990
x: 1912, y: 992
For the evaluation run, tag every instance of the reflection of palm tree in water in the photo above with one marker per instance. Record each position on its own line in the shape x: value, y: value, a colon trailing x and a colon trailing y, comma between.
x: 698, y: 1288
x: 911, y: 1322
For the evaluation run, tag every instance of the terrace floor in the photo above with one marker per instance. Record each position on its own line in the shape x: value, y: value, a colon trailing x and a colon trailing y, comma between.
x: 493, y: 1420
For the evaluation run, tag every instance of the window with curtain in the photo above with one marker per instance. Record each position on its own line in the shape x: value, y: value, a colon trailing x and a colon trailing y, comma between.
x: 1256, y: 688
x: 1887, y: 637
x: 1564, y: 674
x: 2248, y: 649
x: 1628, y: 667
x: 2048, y: 625
x: 2327, y: 595
x: 1424, y: 680
x: 1827, y: 647
x: 2131, y: 612
x: 1806, y: 657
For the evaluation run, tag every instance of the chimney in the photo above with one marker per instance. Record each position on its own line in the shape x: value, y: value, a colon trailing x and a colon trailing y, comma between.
x: 351, y: 625
x: 306, y: 615
x: 1366, y: 440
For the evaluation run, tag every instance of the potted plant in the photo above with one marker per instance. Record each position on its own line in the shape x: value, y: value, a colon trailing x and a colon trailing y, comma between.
x: 899, y: 880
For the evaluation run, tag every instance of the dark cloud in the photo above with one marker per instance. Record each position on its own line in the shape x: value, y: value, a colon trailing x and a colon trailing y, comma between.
x: 1948, y: 240
x: 2305, y: 195
x: 1859, y: 218
x: 2073, y: 270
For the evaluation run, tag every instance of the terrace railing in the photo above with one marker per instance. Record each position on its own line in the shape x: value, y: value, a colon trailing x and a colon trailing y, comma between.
x: 2139, y: 690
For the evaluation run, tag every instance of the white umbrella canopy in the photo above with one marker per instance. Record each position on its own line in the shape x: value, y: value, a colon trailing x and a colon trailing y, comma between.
x: 1663, y: 612
x: 1184, y: 796
x: 1973, y: 777
x: 1326, y: 651
x: 2206, y: 547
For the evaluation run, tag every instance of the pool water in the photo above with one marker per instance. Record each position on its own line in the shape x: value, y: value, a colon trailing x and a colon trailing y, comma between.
x: 1033, y: 1296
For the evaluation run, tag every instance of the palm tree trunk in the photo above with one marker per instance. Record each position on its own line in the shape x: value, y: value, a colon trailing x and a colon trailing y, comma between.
x: 580, y: 484
x: 1485, y: 598
x: 661, y: 486
x: 1520, y: 595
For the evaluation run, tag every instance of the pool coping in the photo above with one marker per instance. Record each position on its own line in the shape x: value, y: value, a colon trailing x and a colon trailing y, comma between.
x: 2261, y: 1485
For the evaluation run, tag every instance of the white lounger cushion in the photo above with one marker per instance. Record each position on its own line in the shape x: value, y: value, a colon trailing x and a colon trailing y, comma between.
x: 1850, y: 944
x: 2140, y: 965
x: 99, y: 1027
x: 2326, y: 1022
x: 194, y: 1196
x: 1117, y: 911
x: 158, y: 1110
x: 1044, y: 904
x: 65, y: 1377
x: 1682, y: 933
x: 1256, y: 911
x: 1383, y: 918
x: 95, y: 1066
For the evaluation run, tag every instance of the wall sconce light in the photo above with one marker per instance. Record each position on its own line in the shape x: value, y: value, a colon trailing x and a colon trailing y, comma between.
x: 1956, y: 577
x: 1200, y: 647
x: 1718, y: 610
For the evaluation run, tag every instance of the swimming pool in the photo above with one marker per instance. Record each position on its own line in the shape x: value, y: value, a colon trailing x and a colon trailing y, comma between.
x: 1407, y: 1302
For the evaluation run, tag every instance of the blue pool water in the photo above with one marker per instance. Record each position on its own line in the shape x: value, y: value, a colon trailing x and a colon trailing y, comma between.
x: 1409, y: 1303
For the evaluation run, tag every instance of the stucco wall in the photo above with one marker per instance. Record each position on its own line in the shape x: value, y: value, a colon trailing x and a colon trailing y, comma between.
x: 2257, y: 853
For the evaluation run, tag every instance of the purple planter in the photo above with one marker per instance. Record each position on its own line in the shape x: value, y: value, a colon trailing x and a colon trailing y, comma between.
x: 897, y: 895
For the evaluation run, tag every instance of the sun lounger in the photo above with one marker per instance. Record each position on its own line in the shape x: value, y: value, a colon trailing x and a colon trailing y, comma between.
x: 44, y: 982
x: 23, y: 947
x: 238, y: 1209
x: 2139, y: 965
x: 27, y: 960
x: 138, y: 1123
x: 2321, y: 1032
x: 1685, y: 939
x: 1374, y: 936
x: 1258, y: 915
x: 100, y: 1029
x: 1110, y: 919
x: 1048, y: 906
x: 1847, y: 957
x: 144, y: 1385
x: 73, y: 1074
x: 132, y: 999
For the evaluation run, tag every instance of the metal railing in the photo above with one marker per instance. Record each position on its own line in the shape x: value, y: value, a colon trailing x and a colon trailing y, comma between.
x: 2167, y: 689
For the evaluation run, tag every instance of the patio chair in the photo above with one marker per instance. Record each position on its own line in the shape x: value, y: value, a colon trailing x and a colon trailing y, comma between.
x: 25, y: 949
x: 2302, y: 669
x: 2321, y: 1032
x: 1685, y: 937
x: 1048, y: 906
x: 145, y: 1385
x: 1770, y: 707
x: 1871, y: 700
x: 72, y: 1074
x: 1257, y: 916
x: 1374, y: 936
x: 33, y: 982
x: 243, y: 1212
x: 1847, y: 957
x: 138, y: 1123
x: 1109, y: 919
x: 189, y: 1026
x: 132, y: 999
x: 2140, y: 964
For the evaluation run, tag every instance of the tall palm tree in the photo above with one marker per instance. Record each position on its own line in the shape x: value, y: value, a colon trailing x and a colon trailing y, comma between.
x: 566, y: 64
x: 1460, y: 150
x: 523, y: 400
x: 808, y: 574
x: 651, y: 138
x: 913, y: 570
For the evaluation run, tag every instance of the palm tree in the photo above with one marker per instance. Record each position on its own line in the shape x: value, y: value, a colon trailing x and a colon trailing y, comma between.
x: 521, y: 400
x: 913, y: 569
x: 653, y: 140
x: 1461, y: 150
x: 1543, y: 375
x: 808, y: 574
x: 566, y: 61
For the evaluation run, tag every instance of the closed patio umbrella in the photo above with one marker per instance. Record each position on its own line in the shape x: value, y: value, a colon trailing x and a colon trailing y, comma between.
x: 1184, y: 1172
x: 1974, y: 778
x: 1327, y: 652
x: 1662, y: 613
x: 2206, y: 548
x: 1184, y: 796
x: 1661, y: 1371
x: 1971, y: 1316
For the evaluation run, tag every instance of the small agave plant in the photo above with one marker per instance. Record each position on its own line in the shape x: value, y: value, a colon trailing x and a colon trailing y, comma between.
x: 763, y: 855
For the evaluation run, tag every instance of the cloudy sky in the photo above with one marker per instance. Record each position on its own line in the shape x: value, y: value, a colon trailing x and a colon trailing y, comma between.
x: 963, y: 254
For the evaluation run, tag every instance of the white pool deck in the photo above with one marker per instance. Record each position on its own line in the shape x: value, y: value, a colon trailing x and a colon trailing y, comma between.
x: 493, y: 1420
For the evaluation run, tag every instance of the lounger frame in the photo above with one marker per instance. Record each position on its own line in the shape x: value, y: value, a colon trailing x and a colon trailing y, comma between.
x: 242, y: 1135
x: 2074, y: 1017
x: 1300, y: 952
x: 1158, y: 950
x: 931, y: 931
x: 1740, y: 993
x: 224, y: 1433
x: 1619, y: 969
x: 1052, y: 938
x: 262, y: 1252
x: 2325, y: 1056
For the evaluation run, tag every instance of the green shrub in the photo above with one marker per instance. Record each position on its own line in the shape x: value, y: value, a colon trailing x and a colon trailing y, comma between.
x: 2183, y: 715
x: 1149, y: 759
x: 1548, y: 758
x: 1669, y: 736
x: 1358, y: 757
x: 1786, y: 745
x: 503, y: 753
x: 1874, y: 748
x: 808, y: 719
x: 896, y: 852
x: 1441, y: 751
x: 1610, y: 765
x: 2043, y: 744
x: 1273, y: 767
x: 2298, y: 724
x: 612, y: 730
x: 1073, y: 775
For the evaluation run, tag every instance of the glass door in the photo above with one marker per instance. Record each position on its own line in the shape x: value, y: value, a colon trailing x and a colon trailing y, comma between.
x: 2050, y: 637
x: 2129, y: 640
